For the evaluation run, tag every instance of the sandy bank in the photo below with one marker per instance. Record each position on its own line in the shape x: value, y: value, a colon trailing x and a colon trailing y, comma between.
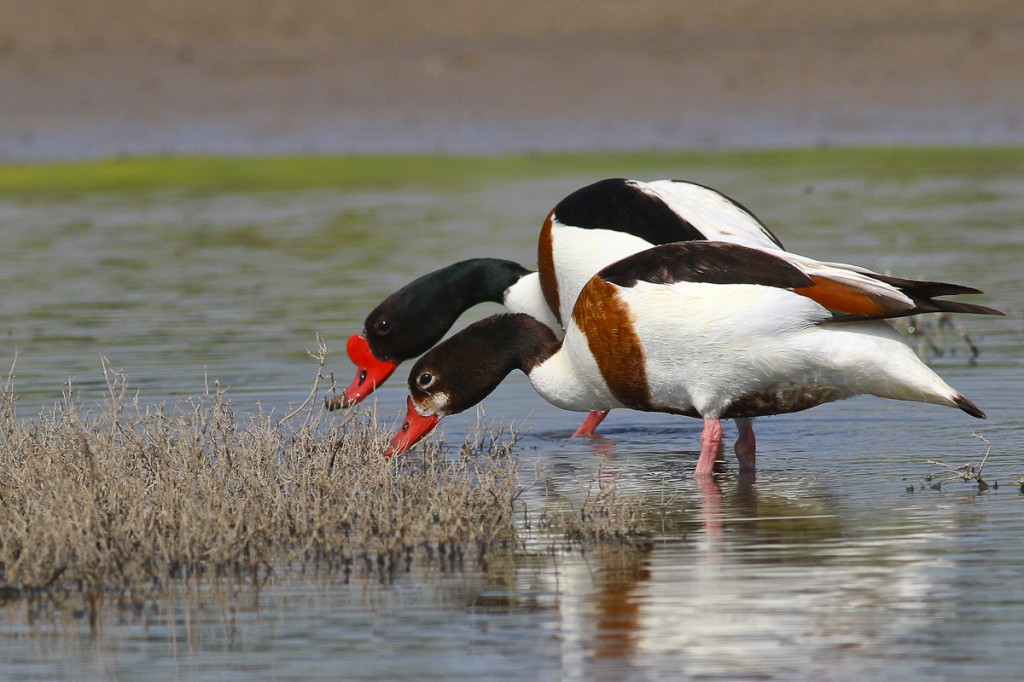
x: 103, y: 77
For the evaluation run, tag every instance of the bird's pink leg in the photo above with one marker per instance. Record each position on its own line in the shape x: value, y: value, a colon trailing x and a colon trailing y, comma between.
x: 590, y: 424
x: 710, y: 446
x: 746, y: 445
x: 711, y: 507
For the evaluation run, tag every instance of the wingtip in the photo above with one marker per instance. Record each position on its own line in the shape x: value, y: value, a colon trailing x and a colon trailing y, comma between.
x: 969, y: 407
x: 970, y: 308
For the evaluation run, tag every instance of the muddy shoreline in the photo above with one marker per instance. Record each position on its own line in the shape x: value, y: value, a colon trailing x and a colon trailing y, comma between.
x: 103, y: 77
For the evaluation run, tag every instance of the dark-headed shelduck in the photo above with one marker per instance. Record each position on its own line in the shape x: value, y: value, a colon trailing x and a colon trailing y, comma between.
x: 589, y: 229
x: 703, y: 329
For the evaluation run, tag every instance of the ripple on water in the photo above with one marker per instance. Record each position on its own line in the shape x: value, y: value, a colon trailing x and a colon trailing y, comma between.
x: 826, y: 567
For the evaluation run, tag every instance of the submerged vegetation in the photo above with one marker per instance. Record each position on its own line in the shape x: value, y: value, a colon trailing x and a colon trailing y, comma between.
x: 938, y: 335
x: 207, y: 174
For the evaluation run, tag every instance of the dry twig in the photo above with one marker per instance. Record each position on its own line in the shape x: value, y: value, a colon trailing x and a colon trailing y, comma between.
x: 965, y: 472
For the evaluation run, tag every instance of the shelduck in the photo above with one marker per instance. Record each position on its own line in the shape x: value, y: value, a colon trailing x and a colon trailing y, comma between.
x: 705, y: 329
x: 589, y: 229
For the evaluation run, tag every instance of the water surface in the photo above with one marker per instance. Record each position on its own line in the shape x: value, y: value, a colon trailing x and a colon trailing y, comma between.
x: 834, y: 564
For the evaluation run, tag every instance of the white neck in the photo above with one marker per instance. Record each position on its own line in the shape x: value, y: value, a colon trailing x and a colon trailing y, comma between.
x: 526, y: 296
x: 571, y: 380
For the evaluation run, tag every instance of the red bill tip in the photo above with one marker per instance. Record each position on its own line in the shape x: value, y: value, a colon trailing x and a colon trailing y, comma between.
x: 370, y: 372
x: 414, y: 427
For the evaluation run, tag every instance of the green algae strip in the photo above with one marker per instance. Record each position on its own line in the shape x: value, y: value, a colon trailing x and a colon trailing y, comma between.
x: 213, y: 174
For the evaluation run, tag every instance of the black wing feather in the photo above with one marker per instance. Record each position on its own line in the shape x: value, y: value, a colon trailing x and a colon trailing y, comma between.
x: 710, y: 262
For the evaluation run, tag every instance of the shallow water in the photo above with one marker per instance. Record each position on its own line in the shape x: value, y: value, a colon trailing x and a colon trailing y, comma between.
x: 834, y: 564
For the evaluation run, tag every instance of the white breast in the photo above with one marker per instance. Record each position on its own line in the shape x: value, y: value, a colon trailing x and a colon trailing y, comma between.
x: 570, y: 378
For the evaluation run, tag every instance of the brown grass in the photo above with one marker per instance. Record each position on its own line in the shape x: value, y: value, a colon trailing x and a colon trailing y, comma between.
x: 135, y: 496
x: 135, y: 499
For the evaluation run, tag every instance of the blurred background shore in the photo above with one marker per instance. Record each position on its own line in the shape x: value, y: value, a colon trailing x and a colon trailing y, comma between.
x: 109, y: 77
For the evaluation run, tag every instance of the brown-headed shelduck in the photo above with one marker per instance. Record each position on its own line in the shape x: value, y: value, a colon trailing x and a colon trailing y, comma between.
x: 704, y: 329
x: 589, y: 229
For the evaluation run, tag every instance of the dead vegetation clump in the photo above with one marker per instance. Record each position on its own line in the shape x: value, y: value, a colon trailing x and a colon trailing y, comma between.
x: 135, y: 496
x: 968, y: 472
x: 605, y: 514
x: 938, y: 335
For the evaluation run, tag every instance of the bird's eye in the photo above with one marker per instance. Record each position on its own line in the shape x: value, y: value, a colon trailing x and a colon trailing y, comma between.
x: 424, y: 380
x: 382, y: 326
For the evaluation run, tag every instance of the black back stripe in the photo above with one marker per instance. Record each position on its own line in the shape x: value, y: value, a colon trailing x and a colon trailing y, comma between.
x: 617, y: 204
x: 709, y: 262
